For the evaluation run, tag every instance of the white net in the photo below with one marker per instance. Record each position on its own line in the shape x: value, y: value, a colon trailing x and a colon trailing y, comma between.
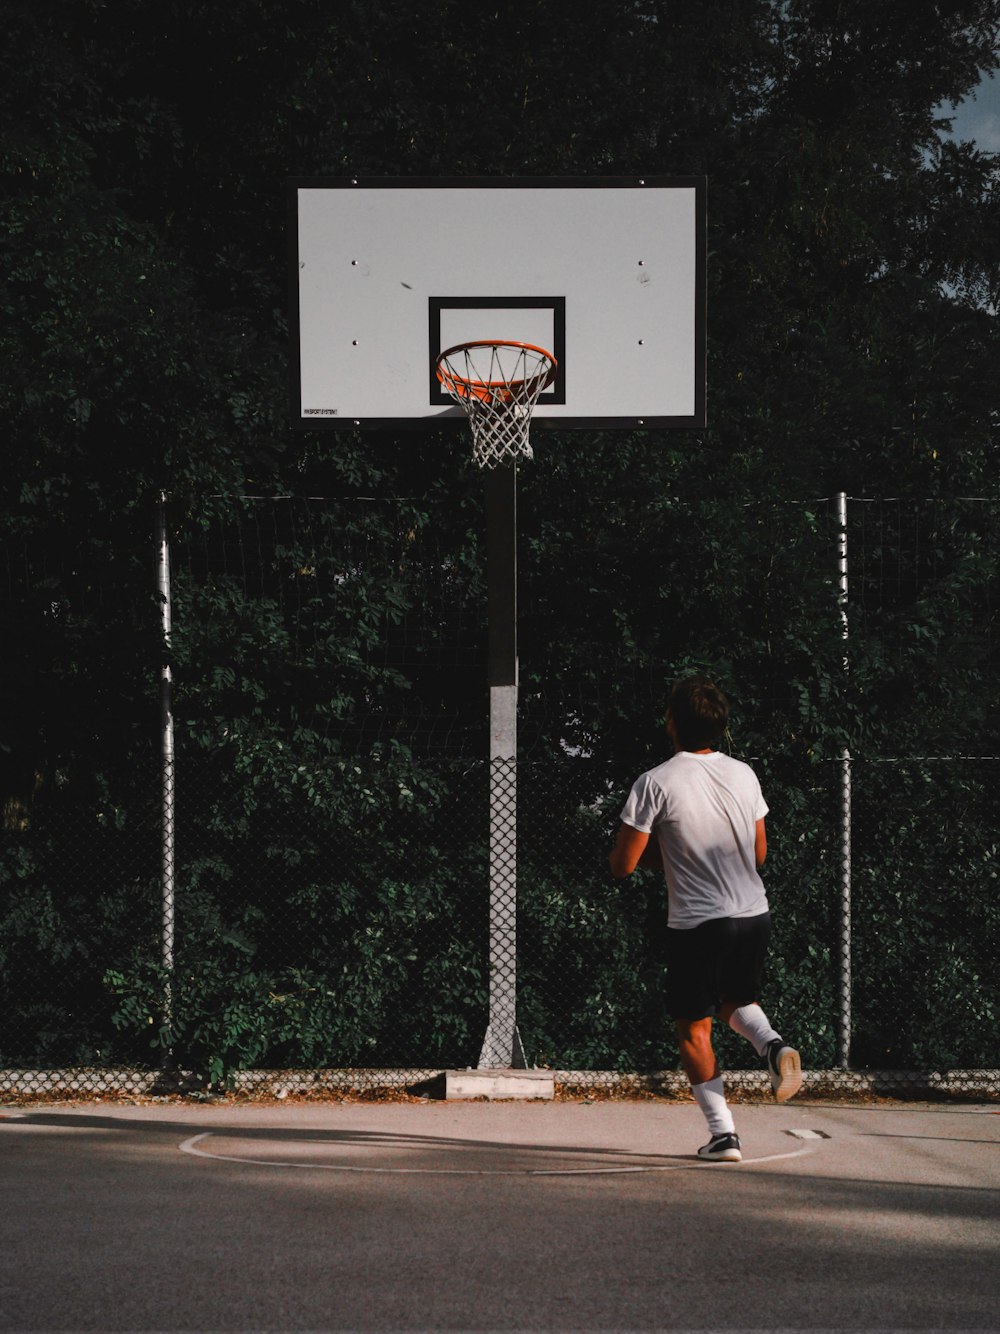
x: 497, y: 384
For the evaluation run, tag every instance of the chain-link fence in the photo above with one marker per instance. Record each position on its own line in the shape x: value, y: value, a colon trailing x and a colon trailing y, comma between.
x: 299, y: 945
x: 343, y: 898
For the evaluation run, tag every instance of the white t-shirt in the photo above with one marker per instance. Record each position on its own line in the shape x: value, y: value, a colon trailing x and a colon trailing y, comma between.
x: 703, y: 810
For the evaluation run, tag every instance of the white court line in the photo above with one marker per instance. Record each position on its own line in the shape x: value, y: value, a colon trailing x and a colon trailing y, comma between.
x: 190, y: 1146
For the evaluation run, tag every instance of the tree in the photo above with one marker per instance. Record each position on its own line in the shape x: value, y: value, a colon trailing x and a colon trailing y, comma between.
x: 853, y: 275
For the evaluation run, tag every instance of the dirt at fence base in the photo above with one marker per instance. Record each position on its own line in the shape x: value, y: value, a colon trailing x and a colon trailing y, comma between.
x: 291, y: 1088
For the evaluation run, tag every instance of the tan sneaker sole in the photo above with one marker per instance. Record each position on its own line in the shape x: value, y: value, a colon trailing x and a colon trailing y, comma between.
x: 790, y: 1075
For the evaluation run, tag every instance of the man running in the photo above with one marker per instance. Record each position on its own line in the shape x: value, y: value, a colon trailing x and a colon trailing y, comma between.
x: 706, y: 812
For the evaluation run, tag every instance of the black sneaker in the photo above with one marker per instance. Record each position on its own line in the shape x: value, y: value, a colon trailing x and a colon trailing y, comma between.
x: 785, y: 1069
x: 722, y: 1149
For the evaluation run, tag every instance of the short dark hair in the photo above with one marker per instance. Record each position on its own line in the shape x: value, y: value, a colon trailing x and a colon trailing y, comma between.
x: 700, y: 712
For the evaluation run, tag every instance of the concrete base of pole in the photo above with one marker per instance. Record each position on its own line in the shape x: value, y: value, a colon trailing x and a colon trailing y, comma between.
x: 538, y: 1085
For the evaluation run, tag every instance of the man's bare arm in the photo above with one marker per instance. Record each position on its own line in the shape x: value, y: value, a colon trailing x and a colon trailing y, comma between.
x: 632, y: 848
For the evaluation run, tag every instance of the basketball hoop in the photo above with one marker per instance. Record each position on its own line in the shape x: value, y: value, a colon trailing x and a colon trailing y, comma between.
x: 497, y: 382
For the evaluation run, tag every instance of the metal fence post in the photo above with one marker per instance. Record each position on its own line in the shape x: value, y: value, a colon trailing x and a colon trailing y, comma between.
x: 167, y: 764
x: 844, y: 1019
x: 844, y: 961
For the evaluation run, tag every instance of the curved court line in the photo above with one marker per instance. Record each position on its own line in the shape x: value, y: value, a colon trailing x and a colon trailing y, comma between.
x: 189, y: 1146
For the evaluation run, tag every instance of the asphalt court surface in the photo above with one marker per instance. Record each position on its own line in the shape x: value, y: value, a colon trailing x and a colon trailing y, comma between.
x: 541, y: 1216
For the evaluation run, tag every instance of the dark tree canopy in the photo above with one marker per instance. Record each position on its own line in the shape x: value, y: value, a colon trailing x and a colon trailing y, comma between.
x: 853, y: 275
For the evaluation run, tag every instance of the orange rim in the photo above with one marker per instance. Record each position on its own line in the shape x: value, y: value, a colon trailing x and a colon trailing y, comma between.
x: 465, y: 387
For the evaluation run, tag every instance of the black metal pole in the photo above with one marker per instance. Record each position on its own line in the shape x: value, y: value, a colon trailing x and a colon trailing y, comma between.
x: 501, y: 572
x: 502, y: 1045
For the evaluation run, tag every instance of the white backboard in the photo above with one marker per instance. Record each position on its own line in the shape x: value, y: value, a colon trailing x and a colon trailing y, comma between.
x: 607, y: 274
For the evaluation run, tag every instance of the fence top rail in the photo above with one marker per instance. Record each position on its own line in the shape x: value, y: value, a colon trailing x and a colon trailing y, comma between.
x: 910, y: 759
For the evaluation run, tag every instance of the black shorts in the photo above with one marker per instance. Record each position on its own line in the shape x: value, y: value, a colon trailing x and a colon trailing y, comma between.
x: 713, y: 962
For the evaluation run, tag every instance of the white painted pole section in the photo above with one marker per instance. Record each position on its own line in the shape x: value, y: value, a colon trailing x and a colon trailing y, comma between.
x: 503, y: 722
x: 844, y: 965
x: 502, y: 1044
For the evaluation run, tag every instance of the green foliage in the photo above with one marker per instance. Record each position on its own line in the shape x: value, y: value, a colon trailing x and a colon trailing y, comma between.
x: 329, y: 672
x: 76, y: 899
x: 932, y: 932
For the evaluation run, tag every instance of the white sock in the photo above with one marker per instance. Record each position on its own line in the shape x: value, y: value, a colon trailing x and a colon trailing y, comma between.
x: 752, y: 1023
x: 711, y: 1098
